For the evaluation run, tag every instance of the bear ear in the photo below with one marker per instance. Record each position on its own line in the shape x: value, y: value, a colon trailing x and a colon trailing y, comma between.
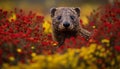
x: 77, y: 9
x: 52, y: 11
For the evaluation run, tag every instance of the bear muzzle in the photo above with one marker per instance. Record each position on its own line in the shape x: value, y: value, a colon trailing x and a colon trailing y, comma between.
x: 66, y: 24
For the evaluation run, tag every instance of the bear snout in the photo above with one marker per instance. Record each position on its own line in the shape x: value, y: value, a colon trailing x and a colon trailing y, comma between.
x: 66, y: 24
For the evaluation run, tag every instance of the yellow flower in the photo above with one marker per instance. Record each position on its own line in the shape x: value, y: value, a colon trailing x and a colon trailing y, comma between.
x: 108, y: 44
x: 118, y: 58
x: 5, y: 66
x: 102, y: 55
x: 82, y: 66
x: 90, y: 56
x: 93, y: 59
x: 11, y: 58
x: 102, y: 49
x: 33, y: 54
x: 70, y: 58
x: 47, y: 27
x: 19, y: 50
x: 13, y: 16
x: 49, y: 58
x: 112, y: 62
x: 99, y: 47
x: 34, y: 66
x: 83, y: 51
x: 55, y: 43
x: 93, y: 46
x: 75, y: 61
x: 93, y: 26
x: 105, y: 41
x: 32, y: 47
x: 97, y: 53
x: 41, y: 57
x: 86, y: 57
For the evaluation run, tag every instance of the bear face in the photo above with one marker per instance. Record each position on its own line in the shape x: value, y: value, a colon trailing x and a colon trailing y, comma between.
x: 65, y: 18
x: 66, y: 24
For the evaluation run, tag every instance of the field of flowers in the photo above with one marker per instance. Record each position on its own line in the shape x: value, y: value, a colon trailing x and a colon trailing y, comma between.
x: 24, y: 45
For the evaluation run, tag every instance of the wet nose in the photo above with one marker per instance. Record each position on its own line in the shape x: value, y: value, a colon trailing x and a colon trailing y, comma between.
x: 66, y: 24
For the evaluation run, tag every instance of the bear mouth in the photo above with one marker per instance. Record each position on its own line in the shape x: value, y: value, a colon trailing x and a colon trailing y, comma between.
x: 67, y: 30
x: 68, y: 33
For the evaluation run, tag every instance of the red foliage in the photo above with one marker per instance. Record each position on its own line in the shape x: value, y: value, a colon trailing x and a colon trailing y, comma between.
x: 26, y: 33
x: 23, y: 32
x: 117, y: 48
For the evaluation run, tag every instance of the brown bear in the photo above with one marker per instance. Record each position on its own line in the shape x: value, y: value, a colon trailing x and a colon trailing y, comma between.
x: 66, y: 24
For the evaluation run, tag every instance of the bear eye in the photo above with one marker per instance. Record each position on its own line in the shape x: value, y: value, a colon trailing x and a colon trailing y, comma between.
x: 59, y: 17
x: 72, y: 17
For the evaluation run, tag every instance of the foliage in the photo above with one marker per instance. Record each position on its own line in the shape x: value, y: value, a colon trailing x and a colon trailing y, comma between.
x: 23, y: 42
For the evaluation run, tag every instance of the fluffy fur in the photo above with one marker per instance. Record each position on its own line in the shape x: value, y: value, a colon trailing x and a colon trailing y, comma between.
x: 62, y: 15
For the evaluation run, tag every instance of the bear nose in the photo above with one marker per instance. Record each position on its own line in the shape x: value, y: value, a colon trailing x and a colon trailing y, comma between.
x: 66, y: 24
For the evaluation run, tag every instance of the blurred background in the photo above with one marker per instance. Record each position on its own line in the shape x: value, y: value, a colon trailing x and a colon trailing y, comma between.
x: 42, y: 7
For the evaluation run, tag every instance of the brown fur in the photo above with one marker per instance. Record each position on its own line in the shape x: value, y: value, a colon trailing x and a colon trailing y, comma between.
x: 60, y: 16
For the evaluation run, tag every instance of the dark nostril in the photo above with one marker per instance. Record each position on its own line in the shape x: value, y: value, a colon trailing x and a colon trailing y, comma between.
x: 66, y: 24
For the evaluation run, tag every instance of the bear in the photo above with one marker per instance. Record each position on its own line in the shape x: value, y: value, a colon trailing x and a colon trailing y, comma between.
x: 66, y: 24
